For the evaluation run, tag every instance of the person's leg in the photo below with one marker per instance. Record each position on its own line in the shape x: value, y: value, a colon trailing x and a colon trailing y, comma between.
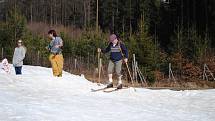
x: 110, y: 73
x: 110, y: 78
x: 118, y: 69
x: 18, y: 70
x: 59, y: 62
x: 52, y: 59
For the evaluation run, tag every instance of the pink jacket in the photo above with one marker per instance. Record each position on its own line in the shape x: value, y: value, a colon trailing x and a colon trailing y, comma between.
x: 5, y: 65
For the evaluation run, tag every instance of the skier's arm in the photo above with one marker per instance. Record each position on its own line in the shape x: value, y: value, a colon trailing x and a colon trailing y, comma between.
x: 107, y: 49
x: 22, y: 55
x: 124, y: 50
x: 61, y: 43
x: 50, y: 45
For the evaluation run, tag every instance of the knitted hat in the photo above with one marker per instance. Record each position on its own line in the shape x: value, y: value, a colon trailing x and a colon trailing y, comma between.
x: 112, y: 37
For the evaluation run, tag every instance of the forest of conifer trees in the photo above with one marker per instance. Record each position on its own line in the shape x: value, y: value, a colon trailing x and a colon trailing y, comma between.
x: 159, y: 32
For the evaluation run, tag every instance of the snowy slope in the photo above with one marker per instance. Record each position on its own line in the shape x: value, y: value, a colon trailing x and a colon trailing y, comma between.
x: 37, y: 96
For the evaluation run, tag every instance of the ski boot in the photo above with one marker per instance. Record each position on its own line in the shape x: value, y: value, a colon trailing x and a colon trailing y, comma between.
x: 110, y: 85
x: 119, y: 86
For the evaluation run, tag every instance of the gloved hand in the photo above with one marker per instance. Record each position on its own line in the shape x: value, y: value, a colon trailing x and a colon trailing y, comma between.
x: 125, y: 60
x: 99, y: 50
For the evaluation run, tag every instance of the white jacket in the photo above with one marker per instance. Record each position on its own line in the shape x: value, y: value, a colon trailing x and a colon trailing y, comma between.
x: 18, y: 56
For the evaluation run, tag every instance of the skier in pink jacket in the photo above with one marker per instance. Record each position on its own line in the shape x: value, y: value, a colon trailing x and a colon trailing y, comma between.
x: 5, y: 66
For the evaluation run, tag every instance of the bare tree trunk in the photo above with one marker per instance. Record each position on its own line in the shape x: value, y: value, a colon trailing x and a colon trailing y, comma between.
x: 97, y: 16
x: 85, y: 14
x: 74, y: 18
x: 31, y: 11
x: 89, y: 12
x: 61, y: 11
x: 65, y: 14
x: 15, y: 21
x: 55, y: 13
x: 182, y: 13
x: 130, y: 28
x: 194, y: 12
x: 123, y: 27
x: 206, y: 15
x: 51, y: 15
x: 113, y: 26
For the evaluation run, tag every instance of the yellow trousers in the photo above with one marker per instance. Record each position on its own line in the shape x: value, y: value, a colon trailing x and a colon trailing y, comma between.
x: 57, y: 64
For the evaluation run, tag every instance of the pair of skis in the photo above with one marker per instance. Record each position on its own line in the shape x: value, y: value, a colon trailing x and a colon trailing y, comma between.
x: 107, y: 90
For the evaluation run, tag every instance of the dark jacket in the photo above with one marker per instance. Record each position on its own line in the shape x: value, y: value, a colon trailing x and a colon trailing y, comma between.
x: 115, y: 52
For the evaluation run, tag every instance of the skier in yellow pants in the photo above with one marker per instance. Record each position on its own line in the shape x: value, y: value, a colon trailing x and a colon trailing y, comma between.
x: 56, y: 57
x: 57, y: 64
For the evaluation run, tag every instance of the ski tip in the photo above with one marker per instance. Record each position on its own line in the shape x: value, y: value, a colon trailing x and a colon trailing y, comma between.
x: 134, y: 89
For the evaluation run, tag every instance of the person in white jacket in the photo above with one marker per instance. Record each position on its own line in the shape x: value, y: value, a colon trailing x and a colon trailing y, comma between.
x: 18, y: 57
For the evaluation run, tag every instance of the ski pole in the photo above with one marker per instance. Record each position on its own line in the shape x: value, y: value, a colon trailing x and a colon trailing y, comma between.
x: 129, y: 72
x: 99, y: 68
x: 100, y: 65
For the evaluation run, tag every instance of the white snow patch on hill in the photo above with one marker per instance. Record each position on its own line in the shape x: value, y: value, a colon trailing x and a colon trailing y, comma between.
x: 38, y: 96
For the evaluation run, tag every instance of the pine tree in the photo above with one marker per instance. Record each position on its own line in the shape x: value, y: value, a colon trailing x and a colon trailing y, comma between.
x: 12, y: 30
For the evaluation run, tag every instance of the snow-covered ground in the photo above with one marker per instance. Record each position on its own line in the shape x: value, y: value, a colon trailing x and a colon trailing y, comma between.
x: 37, y: 96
